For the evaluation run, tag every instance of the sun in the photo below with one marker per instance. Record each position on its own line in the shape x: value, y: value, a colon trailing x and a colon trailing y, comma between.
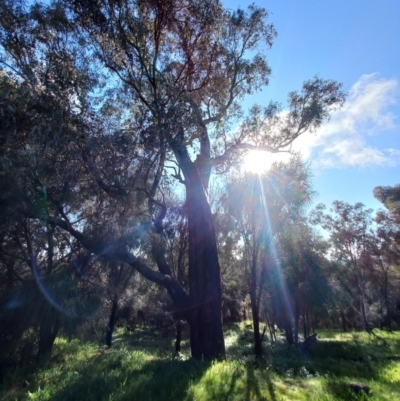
x: 260, y: 162
x: 257, y: 161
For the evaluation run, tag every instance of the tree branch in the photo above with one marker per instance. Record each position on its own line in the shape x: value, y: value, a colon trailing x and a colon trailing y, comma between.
x: 117, y: 253
x: 216, y: 161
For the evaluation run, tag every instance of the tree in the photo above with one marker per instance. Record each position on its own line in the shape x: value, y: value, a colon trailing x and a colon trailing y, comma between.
x: 44, y: 120
x: 383, y: 257
x: 234, y: 288
x: 246, y: 203
x: 390, y: 197
x: 119, y: 279
x: 263, y: 206
x: 305, y: 295
x: 177, y: 72
x: 350, y: 229
x: 386, y: 249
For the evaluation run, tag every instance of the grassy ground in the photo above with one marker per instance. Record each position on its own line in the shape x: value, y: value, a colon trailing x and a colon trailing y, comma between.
x: 141, y: 366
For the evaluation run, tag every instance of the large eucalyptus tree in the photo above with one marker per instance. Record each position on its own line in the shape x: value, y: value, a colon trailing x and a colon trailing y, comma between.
x: 176, y: 74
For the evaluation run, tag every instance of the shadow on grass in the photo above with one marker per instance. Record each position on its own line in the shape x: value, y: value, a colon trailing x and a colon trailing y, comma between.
x: 123, y: 376
x: 150, y: 340
x: 342, y: 391
x: 113, y: 378
x: 18, y: 374
x: 218, y: 383
x: 253, y: 391
x: 352, y: 358
x: 140, y: 367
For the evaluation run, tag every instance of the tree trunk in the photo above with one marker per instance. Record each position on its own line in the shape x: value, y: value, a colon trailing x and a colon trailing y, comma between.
x: 296, y: 322
x: 48, y: 330
x: 386, y: 295
x: 289, y: 335
x: 305, y: 326
x: 255, y: 311
x: 273, y: 324
x: 111, y: 322
x: 205, y: 320
x: 343, y: 318
x: 364, y: 321
x: 313, y: 323
x: 178, y: 336
x: 256, y: 326
x: 270, y: 328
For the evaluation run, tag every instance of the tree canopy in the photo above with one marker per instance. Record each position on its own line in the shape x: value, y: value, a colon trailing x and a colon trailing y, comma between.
x: 108, y: 107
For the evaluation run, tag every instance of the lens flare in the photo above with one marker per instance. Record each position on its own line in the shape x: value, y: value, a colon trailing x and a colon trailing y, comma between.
x: 281, y: 278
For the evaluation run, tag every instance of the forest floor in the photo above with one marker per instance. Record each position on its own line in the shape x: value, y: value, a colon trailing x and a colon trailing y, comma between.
x: 142, y: 366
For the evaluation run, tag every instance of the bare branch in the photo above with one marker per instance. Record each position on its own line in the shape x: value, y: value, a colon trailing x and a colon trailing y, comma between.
x: 216, y: 161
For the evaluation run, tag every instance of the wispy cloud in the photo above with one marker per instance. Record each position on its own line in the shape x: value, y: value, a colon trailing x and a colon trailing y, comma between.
x: 347, y: 139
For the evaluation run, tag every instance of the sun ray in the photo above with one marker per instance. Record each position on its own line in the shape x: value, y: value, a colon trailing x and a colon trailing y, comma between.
x: 282, y: 282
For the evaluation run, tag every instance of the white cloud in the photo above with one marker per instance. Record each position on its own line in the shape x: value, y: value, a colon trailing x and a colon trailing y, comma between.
x: 345, y: 141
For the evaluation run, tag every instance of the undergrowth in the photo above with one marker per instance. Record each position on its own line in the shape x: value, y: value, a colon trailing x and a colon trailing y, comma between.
x: 142, y: 366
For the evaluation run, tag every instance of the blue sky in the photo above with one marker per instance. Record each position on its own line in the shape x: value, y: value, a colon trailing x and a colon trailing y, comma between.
x: 357, y: 43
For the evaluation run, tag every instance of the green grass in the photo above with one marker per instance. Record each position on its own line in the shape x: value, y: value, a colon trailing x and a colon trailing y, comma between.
x: 142, y: 366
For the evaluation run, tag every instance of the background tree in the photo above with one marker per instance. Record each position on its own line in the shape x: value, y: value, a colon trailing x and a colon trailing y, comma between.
x: 350, y: 229
x: 305, y: 297
x: 262, y: 205
x: 385, y: 249
x: 229, y: 252
x: 390, y: 197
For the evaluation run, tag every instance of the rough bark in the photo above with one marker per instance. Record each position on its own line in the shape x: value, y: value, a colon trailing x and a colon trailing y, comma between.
x: 206, y: 336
